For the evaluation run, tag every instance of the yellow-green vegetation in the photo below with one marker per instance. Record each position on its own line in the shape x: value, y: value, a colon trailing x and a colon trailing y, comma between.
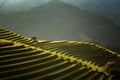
x: 22, y: 57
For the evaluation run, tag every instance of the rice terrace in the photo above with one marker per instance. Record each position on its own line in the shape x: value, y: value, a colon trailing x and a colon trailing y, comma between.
x: 24, y: 58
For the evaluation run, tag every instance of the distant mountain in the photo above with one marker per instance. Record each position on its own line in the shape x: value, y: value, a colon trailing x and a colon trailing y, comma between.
x: 107, y: 8
x: 57, y: 20
x: 7, y: 6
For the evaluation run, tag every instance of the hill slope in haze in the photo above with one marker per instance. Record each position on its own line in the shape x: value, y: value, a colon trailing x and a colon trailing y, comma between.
x: 57, y: 20
x: 107, y: 8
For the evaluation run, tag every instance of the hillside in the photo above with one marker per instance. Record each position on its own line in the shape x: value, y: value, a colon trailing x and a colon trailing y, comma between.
x: 58, y: 60
x: 21, y: 62
x: 62, y: 21
x: 109, y: 9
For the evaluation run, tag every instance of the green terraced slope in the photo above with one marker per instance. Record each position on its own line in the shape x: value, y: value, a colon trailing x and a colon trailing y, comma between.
x: 83, y: 50
x: 18, y: 62
x: 22, y: 57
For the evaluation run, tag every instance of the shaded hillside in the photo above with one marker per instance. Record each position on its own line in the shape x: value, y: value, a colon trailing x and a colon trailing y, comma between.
x: 109, y: 9
x: 62, y: 21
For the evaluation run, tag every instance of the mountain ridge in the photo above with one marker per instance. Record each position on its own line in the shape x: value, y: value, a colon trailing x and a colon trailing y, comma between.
x: 62, y: 21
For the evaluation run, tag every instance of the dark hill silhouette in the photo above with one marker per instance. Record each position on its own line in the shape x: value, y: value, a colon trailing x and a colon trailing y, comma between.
x: 58, y: 20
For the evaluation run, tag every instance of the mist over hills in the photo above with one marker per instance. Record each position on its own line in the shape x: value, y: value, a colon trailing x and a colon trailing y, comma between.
x: 107, y: 8
x: 57, y: 20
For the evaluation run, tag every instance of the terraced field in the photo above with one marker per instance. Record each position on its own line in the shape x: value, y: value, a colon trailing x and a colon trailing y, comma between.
x: 24, y: 58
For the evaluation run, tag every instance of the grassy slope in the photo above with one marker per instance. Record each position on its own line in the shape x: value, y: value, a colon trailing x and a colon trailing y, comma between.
x: 81, y: 52
x: 17, y: 63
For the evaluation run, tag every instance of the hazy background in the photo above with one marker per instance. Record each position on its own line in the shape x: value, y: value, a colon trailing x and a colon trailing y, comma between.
x: 82, y: 20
